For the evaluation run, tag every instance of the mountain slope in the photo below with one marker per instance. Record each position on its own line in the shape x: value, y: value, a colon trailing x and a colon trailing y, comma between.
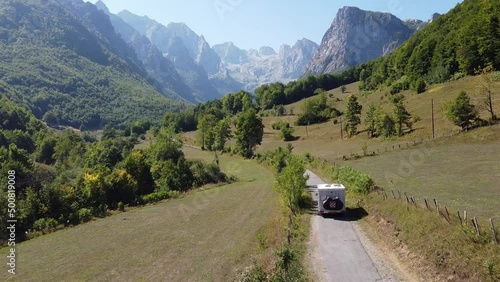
x: 191, y: 55
x: 357, y: 36
x: 157, y: 66
x: 67, y: 60
x: 459, y: 43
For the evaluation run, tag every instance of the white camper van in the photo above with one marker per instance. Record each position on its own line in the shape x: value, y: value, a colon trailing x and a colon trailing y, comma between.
x: 331, y: 199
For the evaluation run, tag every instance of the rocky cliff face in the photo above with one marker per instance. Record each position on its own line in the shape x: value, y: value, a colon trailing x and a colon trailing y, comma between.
x: 169, y: 80
x: 191, y: 55
x: 253, y: 68
x: 357, y: 36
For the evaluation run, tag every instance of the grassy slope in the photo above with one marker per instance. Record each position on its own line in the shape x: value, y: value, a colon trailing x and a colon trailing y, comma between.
x: 457, y: 167
x: 207, y: 235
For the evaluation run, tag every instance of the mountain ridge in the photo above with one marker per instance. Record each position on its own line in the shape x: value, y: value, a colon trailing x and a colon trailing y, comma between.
x: 357, y: 36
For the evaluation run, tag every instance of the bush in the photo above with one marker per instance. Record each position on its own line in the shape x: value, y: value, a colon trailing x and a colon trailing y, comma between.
x: 286, y: 133
x: 84, y: 215
x: 206, y: 173
x: 45, y: 224
x: 356, y: 181
x: 420, y: 86
x: 158, y: 196
x: 279, y: 125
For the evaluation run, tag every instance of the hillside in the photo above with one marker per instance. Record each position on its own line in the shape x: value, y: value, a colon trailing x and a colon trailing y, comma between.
x: 66, y: 62
x: 162, y: 69
x: 458, y: 43
x: 191, y: 55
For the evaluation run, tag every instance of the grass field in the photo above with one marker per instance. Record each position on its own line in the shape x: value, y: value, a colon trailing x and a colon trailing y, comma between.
x: 462, y: 171
x: 209, y: 235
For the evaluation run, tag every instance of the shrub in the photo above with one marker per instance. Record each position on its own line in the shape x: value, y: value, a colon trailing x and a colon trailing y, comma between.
x: 84, y: 215
x: 286, y: 133
x: 45, y: 224
x: 420, y: 86
x: 159, y: 196
x: 279, y: 125
x: 354, y: 180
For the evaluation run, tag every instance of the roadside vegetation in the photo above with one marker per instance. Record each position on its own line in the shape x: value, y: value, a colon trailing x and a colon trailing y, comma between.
x: 438, y: 248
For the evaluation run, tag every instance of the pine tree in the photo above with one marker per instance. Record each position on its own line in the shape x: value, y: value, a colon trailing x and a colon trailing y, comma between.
x: 460, y: 111
x: 352, y: 115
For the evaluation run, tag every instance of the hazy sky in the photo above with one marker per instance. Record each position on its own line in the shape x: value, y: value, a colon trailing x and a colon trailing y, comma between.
x: 254, y: 23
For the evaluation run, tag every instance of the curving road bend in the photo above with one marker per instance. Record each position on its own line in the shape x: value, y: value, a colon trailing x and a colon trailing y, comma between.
x: 342, y: 252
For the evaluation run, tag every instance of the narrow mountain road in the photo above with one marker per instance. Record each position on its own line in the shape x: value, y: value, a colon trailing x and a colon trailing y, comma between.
x: 342, y: 252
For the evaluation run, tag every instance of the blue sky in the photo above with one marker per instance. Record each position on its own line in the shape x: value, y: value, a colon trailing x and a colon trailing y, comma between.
x: 255, y: 23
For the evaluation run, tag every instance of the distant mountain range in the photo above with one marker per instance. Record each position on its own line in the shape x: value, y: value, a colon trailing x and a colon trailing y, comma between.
x: 84, y: 66
x: 212, y: 72
x: 254, y: 68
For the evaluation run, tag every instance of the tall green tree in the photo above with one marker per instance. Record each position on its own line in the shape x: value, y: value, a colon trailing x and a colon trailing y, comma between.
x: 401, y: 115
x: 291, y: 182
x: 460, y: 111
x: 222, y: 134
x: 206, y: 133
x: 249, y: 132
x: 352, y: 115
x: 370, y: 119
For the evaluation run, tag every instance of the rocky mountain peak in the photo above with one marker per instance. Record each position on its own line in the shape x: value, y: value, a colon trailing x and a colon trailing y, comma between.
x: 266, y: 51
x: 356, y: 36
x: 101, y: 6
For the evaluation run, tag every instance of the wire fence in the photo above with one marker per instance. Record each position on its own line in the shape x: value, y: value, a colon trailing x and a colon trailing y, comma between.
x: 433, y: 205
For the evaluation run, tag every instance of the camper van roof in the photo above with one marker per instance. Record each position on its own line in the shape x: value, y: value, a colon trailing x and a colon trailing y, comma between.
x: 331, y: 186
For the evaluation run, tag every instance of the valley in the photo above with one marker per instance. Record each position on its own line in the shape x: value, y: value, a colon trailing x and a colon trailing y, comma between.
x: 140, y: 151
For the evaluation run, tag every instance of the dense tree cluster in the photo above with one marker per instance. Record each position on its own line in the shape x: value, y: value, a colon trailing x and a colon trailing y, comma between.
x: 316, y: 111
x: 273, y: 94
x: 459, y: 43
x: 61, y: 178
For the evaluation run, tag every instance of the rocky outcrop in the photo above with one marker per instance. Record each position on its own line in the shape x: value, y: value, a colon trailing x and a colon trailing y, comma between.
x: 356, y: 36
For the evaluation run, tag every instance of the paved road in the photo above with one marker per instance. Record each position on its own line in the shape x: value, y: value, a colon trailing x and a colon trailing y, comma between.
x: 343, y: 254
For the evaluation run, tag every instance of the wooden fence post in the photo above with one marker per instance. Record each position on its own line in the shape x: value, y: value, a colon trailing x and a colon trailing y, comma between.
x: 474, y: 222
x: 437, y: 206
x: 392, y: 192
x: 495, y: 240
x: 447, y: 213
x: 399, y: 195
x: 460, y: 218
x: 465, y: 217
x: 413, y: 200
x: 426, y: 203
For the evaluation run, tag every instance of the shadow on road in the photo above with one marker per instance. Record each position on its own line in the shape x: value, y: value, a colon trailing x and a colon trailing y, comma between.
x: 354, y: 214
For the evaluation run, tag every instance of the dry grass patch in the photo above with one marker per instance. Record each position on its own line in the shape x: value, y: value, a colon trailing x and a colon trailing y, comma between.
x: 205, y: 236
